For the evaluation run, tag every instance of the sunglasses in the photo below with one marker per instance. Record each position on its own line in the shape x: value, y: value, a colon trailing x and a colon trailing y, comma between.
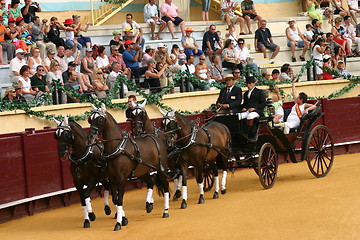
x: 236, y: 72
x: 99, y: 73
x: 41, y: 70
x: 13, y: 91
x: 3, y: 4
x: 116, y: 50
x: 51, y: 53
x: 241, y: 43
x: 56, y: 65
x: 202, y: 58
x: 21, y: 53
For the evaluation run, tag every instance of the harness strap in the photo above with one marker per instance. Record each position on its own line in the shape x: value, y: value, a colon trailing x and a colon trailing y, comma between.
x: 89, y: 150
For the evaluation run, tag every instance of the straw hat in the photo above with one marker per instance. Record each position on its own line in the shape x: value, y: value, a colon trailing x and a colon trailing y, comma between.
x: 228, y: 77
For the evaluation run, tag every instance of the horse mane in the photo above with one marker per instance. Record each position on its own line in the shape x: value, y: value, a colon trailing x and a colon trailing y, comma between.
x: 111, y: 118
x: 76, y: 125
x: 182, y: 117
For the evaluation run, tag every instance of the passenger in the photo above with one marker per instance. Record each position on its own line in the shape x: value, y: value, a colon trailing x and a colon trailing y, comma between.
x: 298, y: 110
x: 230, y: 96
x: 131, y: 99
x: 279, y: 111
x: 253, y: 106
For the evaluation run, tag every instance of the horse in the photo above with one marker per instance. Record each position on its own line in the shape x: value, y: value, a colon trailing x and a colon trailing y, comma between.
x: 198, y: 146
x: 127, y: 157
x: 86, y: 165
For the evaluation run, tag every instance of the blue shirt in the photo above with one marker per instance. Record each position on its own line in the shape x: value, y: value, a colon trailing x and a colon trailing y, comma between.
x: 127, y: 56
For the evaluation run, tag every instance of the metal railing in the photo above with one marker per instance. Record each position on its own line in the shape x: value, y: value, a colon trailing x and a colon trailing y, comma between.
x: 102, y: 10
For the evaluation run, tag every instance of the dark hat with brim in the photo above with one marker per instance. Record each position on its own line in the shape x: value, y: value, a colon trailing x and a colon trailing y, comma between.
x: 250, y: 79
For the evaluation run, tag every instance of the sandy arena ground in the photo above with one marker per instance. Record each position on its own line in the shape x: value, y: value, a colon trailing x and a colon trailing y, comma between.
x: 298, y: 207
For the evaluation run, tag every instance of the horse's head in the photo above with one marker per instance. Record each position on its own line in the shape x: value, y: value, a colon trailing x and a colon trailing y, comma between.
x: 97, y: 122
x: 64, y: 135
x: 170, y: 127
x: 138, y: 115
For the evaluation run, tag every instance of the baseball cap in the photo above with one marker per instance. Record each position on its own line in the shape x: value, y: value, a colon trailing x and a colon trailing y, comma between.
x: 72, y: 64
x: 19, y: 50
x: 148, y: 47
x: 161, y: 45
x: 128, y: 29
x: 128, y: 42
x: 89, y: 49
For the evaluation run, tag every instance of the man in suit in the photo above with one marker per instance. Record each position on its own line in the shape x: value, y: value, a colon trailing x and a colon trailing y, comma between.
x: 230, y: 96
x: 253, y: 106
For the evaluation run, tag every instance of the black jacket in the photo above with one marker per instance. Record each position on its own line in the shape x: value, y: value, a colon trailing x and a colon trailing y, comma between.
x: 257, y: 100
x: 233, y: 98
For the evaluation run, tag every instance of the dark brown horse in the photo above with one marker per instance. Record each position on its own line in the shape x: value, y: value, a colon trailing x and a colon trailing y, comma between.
x: 127, y: 157
x: 198, y: 146
x: 86, y: 164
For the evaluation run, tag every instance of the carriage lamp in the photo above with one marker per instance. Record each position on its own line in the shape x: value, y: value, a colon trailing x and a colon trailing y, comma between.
x: 270, y: 107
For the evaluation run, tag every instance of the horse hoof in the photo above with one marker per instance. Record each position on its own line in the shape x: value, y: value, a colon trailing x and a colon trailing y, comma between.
x: 149, y: 207
x: 177, y: 194
x: 115, y: 217
x: 117, y: 227
x: 201, y: 200
x: 107, y: 210
x: 124, y: 221
x: 175, y: 198
x: 183, y: 204
x: 223, y: 191
x: 216, y: 195
x: 165, y: 215
x: 86, y: 224
x: 92, y: 216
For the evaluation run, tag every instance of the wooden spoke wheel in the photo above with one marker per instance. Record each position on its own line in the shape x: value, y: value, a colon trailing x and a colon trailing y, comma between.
x: 208, y: 179
x: 267, y: 165
x: 320, y: 151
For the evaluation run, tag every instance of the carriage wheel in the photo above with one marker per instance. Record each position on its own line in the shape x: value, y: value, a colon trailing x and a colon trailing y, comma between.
x: 320, y: 151
x: 208, y: 179
x: 267, y: 165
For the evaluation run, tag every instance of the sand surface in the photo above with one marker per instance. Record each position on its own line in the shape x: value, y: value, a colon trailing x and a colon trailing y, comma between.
x: 299, y: 206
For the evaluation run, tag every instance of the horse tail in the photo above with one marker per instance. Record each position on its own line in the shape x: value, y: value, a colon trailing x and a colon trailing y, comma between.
x: 161, y: 181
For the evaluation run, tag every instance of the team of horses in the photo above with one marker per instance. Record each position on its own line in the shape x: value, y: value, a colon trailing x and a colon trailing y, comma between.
x: 154, y: 156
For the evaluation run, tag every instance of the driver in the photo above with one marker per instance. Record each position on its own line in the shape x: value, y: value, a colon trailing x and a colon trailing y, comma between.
x: 230, y: 96
x: 298, y: 110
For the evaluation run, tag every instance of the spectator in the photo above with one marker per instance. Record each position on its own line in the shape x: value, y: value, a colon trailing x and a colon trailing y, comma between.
x: 331, y: 43
x: 358, y: 30
x: 205, y: 9
x: 130, y: 23
x: 83, y: 79
x: 83, y: 41
x: 316, y: 28
x: 231, y: 35
x: 216, y: 71
x: 298, y: 110
x: 242, y: 53
x: 341, y: 69
x: 55, y: 74
x: 202, y: 72
x: 237, y: 75
x: 162, y: 55
x: 35, y: 60
x: 12, y: 34
x: 152, y: 76
x: 230, y: 60
x: 24, y: 80
x: 354, y: 9
x: 327, y: 63
x: 24, y: 34
x: 15, y: 10
x: 4, y: 45
x: 208, y: 43
x: 286, y: 72
x: 339, y: 54
x: 275, y: 75
x: 265, y: 74
x: 309, y: 34
x: 189, y: 67
x: 296, y: 39
x: 69, y: 29
x: 48, y: 59
x: 99, y: 84
x: 149, y: 54
x: 116, y: 57
x: 170, y: 14
x: 63, y: 56
x: 29, y: 10
x: 38, y: 80
x: 311, y: 9
x: 338, y: 31
x: 350, y: 35
x: 117, y: 42
x: 249, y: 12
x: 263, y: 40
x: 73, y: 83
x: 318, y: 50
x: 4, y: 12
x: 326, y: 11
x: 132, y: 58
x: 54, y: 32
x: 38, y: 30
x: 228, y: 15
x: 279, y: 111
x: 13, y: 94
x: 182, y: 56
x: 129, y: 34
x: 115, y: 72
x: 174, y: 56
x: 151, y: 16
x: 102, y: 61
x: 189, y: 43
x: 338, y: 8
x: 88, y: 65
x: 16, y: 63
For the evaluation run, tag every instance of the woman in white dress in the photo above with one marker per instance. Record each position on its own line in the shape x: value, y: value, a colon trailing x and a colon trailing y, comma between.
x: 55, y: 74
x: 35, y: 60
x: 202, y: 71
x: 26, y: 90
x: 318, y: 50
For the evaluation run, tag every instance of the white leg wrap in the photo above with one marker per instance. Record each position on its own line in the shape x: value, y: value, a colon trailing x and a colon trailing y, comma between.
x: 166, y: 200
x: 119, y: 210
x: 216, y: 184
x: 184, y: 192
x: 85, y: 212
x: 106, y: 197
x: 201, y: 188
x: 223, y: 180
x: 149, y: 198
x: 179, y: 183
x: 88, y: 205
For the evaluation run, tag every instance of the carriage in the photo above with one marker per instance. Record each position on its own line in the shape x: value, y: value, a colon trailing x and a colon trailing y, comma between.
x: 313, y: 141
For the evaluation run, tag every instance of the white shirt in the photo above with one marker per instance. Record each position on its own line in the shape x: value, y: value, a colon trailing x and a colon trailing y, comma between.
x: 243, y: 54
x: 135, y: 26
x: 191, y: 68
x: 150, y: 11
x: 249, y: 93
x: 26, y: 85
x: 102, y: 62
x: 63, y: 62
x: 353, y: 3
x: 16, y: 64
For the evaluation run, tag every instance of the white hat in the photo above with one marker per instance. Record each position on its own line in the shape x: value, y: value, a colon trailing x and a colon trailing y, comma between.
x: 161, y: 45
x: 291, y: 20
x: 149, y: 47
x: 326, y: 56
x: 181, y: 48
x: 19, y: 50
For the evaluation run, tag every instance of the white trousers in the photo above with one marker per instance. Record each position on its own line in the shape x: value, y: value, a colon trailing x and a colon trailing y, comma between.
x: 357, y: 42
x: 248, y: 115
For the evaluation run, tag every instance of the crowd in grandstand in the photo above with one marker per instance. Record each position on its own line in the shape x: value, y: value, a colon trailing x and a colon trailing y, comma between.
x: 38, y: 54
